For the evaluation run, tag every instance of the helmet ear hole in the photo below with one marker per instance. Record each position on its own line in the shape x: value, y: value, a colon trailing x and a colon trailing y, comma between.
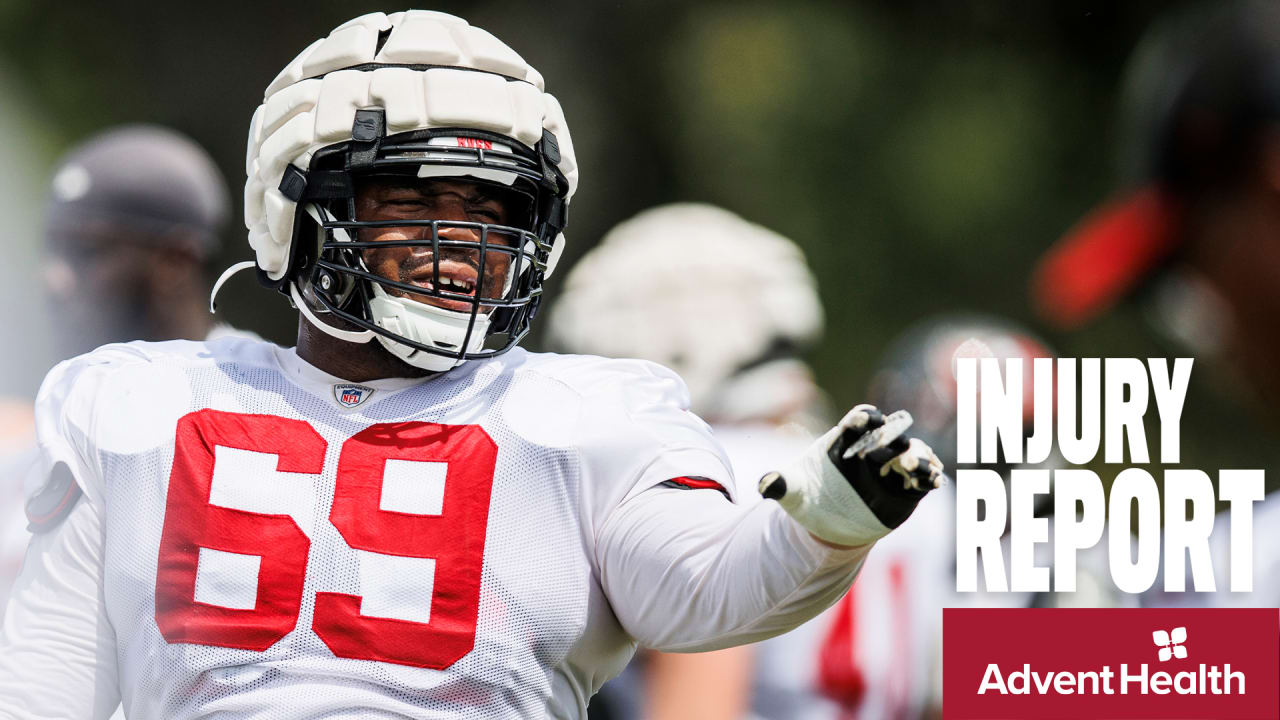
x: 335, y: 288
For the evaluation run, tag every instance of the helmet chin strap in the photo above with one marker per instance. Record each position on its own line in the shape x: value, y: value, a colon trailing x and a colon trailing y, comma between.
x: 428, y: 325
x: 225, y: 276
x: 353, y: 336
x: 361, y: 336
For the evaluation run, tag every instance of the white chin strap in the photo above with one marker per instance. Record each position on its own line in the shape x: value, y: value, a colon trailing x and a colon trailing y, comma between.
x: 225, y: 276
x: 352, y: 336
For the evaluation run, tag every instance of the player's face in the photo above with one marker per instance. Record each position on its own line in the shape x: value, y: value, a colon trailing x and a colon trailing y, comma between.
x: 104, y: 287
x: 390, y: 199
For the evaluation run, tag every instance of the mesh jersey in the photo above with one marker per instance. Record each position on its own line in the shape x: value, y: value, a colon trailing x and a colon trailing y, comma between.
x: 871, y: 655
x: 19, y: 461
x: 270, y: 541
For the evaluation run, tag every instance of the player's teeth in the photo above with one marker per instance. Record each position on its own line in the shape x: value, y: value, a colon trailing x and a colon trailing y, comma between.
x: 455, y: 284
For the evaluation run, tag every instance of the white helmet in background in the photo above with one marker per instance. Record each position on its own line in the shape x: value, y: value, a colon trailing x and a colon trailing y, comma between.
x: 725, y: 303
x: 415, y: 94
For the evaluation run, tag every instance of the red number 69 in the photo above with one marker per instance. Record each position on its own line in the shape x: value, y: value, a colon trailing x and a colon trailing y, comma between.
x: 453, y: 538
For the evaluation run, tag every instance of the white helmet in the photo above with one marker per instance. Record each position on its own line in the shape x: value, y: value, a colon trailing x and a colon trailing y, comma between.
x: 416, y: 94
x: 704, y: 292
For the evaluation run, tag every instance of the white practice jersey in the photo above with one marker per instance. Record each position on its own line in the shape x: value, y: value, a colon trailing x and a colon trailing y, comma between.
x: 19, y: 468
x: 258, y: 539
x: 872, y: 654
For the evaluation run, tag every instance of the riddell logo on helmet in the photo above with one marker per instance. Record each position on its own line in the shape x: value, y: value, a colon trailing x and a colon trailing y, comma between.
x: 469, y: 142
x: 1121, y: 663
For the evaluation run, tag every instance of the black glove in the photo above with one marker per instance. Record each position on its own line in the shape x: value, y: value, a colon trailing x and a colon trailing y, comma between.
x: 868, y: 454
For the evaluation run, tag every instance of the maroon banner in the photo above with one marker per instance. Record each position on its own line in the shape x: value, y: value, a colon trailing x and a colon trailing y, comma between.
x: 1114, y: 663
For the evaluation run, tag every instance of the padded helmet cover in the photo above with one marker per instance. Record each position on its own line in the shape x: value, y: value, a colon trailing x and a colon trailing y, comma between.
x: 425, y: 70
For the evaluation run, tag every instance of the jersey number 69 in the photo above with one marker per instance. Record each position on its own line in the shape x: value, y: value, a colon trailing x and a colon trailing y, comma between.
x: 453, y: 538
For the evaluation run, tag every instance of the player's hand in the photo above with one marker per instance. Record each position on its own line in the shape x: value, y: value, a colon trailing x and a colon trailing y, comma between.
x: 859, y: 480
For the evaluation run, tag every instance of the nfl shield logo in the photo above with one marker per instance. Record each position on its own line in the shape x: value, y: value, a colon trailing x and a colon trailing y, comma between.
x: 351, y: 395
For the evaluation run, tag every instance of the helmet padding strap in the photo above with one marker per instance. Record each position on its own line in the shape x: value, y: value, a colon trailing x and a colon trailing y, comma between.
x: 354, y: 336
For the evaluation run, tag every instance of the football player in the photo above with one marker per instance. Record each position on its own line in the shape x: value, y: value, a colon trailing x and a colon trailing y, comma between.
x: 1196, y: 238
x: 407, y: 515
x: 134, y: 214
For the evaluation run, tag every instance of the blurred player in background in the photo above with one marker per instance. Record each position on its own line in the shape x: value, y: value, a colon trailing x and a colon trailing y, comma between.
x: 1197, y: 236
x: 730, y: 306
x: 133, y: 215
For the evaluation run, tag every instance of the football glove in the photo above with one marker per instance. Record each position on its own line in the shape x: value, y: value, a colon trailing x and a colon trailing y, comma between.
x: 859, y: 480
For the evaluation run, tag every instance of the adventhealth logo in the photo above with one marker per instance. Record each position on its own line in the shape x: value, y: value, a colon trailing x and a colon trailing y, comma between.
x: 1171, y: 663
x: 1206, y: 680
x: 1170, y: 643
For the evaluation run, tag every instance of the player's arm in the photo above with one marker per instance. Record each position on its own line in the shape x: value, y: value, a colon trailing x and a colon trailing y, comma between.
x: 57, y: 647
x: 689, y: 571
